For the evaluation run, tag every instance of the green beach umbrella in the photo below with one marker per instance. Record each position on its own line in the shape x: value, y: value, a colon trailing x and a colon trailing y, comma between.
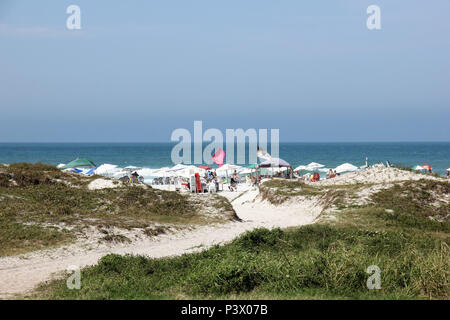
x: 79, y: 163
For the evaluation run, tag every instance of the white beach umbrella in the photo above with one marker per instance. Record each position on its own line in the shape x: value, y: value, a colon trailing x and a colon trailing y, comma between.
x: 345, y: 167
x: 163, y: 169
x: 313, y: 166
x: 189, y: 171
x: 246, y: 171
x: 226, y: 168
x: 300, y: 168
x: 162, y: 172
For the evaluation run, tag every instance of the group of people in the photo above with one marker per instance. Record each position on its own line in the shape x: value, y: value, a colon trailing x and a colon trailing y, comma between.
x: 287, y: 174
x: 316, y: 176
x: 134, y: 178
x: 211, y: 177
x: 331, y: 174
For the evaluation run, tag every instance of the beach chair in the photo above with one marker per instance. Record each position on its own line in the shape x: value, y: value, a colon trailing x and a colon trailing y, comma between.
x: 212, y: 187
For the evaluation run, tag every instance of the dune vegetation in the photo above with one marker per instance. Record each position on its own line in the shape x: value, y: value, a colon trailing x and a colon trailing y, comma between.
x: 42, y: 207
x: 404, y: 231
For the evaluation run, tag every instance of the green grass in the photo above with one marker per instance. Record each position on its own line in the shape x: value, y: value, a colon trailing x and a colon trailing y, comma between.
x: 43, y: 195
x: 279, y: 191
x: 19, y: 238
x: 327, y: 260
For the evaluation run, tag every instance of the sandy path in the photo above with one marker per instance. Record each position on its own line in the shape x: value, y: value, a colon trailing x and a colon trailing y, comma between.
x: 20, y: 274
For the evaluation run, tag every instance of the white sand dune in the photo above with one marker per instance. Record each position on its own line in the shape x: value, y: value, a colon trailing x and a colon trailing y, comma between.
x: 377, y: 174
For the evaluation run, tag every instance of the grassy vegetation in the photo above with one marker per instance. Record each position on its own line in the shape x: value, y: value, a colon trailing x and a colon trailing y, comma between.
x: 36, y: 196
x: 279, y: 191
x: 18, y: 238
x: 324, y: 260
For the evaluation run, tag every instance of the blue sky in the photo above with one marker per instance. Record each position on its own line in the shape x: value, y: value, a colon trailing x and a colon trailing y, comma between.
x: 139, y: 69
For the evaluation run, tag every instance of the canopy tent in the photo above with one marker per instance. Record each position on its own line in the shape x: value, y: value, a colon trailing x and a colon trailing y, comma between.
x: 79, y: 163
x: 345, y: 167
x: 418, y: 168
x: 274, y: 163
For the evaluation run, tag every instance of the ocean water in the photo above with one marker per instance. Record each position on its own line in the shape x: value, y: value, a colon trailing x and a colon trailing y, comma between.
x: 156, y: 155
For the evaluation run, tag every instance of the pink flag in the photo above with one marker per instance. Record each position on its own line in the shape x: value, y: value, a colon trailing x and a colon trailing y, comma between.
x: 218, y: 157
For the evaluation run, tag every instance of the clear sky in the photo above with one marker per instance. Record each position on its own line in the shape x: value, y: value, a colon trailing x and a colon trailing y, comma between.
x: 139, y: 69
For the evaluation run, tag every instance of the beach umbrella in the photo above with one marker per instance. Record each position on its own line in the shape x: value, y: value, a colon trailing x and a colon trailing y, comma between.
x: 246, y: 171
x: 313, y: 166
x: 228, y: 167
x: 79, y: 163
x: 300, y: 168
x: 205, y: 167
x: 178, y: 167
x: 345, y: 167
x: 427, y: 166
x: 274, y: 163
x: 163, y: 169
x: 190, y: 171
x: 223, y: 170
x: 418, y: 168
x: 448, y: 169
